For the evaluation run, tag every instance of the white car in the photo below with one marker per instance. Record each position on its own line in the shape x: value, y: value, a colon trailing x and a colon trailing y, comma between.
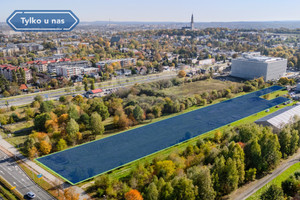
x: 31, y: 195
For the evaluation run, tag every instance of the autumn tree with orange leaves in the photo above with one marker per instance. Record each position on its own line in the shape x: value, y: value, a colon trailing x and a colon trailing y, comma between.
x: 45, y: 147
x: 133, y: 195
x: 70, y: 194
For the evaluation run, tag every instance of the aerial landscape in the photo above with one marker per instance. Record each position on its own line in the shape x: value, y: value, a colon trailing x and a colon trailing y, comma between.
x: 157, y: 100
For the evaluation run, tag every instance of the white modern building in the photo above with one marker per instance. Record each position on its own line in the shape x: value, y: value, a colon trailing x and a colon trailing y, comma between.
x: 253, y: 65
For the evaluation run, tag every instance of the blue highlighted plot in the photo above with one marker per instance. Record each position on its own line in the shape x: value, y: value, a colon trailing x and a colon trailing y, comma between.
x: 86, y: 161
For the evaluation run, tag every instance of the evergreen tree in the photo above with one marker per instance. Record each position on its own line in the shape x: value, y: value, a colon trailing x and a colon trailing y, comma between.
x: 200, y: 175
x: 151, y: 192
x: 273, y: 193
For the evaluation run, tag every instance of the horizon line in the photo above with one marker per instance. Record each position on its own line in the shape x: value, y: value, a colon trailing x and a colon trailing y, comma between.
x: 239, y: 21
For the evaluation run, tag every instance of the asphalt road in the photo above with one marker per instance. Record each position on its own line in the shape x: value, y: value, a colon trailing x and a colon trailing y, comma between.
x: 55, y: 94
x: 12, y: 173
x: 248, y: 190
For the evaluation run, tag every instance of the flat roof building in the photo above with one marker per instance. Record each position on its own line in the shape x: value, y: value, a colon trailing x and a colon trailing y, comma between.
x: 253, y: 65
x: 280, y: 118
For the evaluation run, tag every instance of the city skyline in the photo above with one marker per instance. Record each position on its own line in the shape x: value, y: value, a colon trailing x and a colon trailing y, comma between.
x: 164, y: 11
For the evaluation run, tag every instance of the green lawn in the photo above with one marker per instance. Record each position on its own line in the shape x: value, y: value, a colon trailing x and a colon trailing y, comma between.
x: 277, y: 181
x: 20, y: 133
x: 276, y: 94
x: 198, y: 87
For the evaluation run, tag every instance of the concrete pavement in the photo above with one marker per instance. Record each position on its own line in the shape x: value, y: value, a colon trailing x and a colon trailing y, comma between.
x: 12, y: 151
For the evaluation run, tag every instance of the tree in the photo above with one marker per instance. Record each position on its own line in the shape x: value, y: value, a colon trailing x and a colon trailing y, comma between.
x: 40, y: 120
x: 96, y: 124
x: 121, y: 121
x: 138, y: 113
x: 73, y: 112
x: 99, y: 107
x: 61, y: 145
x: 33, y: 152
x: 72, y: 127
x: 45, y: 147
x: 288, y: 141
x: 237, y: 155
x: 270, y: 150
x: 39, y: 98
x: 250, y: 174
x: 225, y: 176
x: 151, y: 192
x: 253, y: 155
x: 183, y: 189
x: 200, y: 175
x: 6, y: 94
x: 290, y: 186
x: 181, y: 74
x: 273, y: 193
x: 165, y: 168
x: 86, y: 87
x: 166, y: 192
x: 70, y: 194
x: 133, y: 195
x: 92, y: 84
x: 157, y: 111
x: 46, y: 106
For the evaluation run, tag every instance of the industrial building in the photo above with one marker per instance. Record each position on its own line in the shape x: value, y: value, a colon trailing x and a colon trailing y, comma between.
x: 280, y: 118
x: 253, y: 65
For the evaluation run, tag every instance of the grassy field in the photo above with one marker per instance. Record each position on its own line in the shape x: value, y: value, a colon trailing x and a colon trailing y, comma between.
x: 198, y: 87
x: 20, y: 133
x: 277, y: 181
x: 275, y: 94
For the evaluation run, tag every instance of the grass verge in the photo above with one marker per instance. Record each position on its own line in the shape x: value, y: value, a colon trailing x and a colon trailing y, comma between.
x: 277, y: 181
x: 41, y: 182
x: 5, y: 189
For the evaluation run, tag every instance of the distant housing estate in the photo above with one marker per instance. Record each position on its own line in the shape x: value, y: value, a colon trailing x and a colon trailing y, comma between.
x: 253, y: 65
x: 125, y: 62
x: 69, y: 69
x: 7, y: 71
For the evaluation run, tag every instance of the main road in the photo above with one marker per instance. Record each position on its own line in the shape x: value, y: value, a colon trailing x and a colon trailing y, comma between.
x: 55, y: 94
x: 15, y: 176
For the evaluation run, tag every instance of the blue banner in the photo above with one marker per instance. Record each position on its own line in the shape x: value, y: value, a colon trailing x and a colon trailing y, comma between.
x: 42, y: 20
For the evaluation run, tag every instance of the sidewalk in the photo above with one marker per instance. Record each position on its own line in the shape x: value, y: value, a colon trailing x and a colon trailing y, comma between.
x: 8, y: 148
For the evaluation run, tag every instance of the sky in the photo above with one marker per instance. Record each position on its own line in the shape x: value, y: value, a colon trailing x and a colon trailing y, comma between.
x: 163, y: 10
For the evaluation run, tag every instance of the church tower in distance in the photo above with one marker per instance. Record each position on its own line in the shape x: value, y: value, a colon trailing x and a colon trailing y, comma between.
x: 192, y: 22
